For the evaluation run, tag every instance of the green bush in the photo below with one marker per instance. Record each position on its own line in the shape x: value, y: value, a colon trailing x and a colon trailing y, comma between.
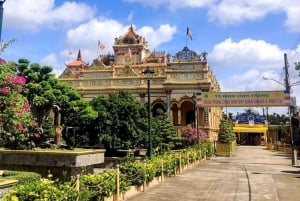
x: 41, y: 190
x: 21, y: 176
x: 97, y: 187
x: 226, y: 133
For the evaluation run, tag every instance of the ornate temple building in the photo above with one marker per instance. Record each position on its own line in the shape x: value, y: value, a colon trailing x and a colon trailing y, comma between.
x: 175, y: 80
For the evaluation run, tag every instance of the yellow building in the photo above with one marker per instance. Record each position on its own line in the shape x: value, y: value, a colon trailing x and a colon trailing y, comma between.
x: 176, y: 78
x: 251, y: 134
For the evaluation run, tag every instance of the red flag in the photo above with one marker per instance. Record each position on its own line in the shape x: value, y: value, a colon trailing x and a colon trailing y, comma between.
x: 100, y: 45
x: 189, y: 33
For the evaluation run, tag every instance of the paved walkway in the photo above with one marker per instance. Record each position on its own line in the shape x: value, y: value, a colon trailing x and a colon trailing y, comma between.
x: 252, y: 174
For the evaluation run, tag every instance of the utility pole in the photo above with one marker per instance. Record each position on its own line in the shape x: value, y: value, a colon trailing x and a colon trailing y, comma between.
x: 1, y: 17
x: 288, y: 90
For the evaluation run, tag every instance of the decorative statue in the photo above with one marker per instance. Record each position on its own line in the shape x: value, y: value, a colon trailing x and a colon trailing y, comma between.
x: 58, y: 134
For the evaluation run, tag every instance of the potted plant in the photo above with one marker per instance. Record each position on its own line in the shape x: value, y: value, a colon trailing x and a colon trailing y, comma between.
x: 226, y: 138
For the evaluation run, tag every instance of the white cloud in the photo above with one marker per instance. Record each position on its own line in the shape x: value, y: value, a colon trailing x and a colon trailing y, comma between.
x: 174, y: 4
x: 156, y: 37
x: 247, y: 53
x: 228, y: 12
x: 232, y: 12
x: 32, y: 15
x: 292, y: 9
x: 86, y: 36
x: 247, y: 81
x: 51, y: 60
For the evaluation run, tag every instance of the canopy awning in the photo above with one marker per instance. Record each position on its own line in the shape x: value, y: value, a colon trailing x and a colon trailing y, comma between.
x: 239, y: 129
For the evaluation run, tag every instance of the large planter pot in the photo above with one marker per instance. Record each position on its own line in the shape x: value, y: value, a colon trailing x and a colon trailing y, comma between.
x: 140, y: 152
x: 270, y: 146
x: 225, y: 149
x: 56, y: 161
x: 124, y: 152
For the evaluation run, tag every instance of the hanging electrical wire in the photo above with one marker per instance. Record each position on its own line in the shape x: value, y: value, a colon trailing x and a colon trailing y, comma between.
x: 294, y: 53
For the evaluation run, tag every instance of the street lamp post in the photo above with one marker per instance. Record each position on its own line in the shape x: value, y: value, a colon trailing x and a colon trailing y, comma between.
x: 149, y: 74
x: 194, y: 97
x: 1, y: 16
x: 288, y: 86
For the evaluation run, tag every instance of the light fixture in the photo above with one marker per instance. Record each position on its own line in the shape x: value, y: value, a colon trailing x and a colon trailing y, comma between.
x: 149, y: 75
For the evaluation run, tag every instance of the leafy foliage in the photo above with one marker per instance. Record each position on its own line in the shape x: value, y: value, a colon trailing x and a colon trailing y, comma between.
x: 98, y: 187
x: 121, y: 122
x: 16, y: 117
x: 276, y: 119
x: 43, y: 91
x: 21, y: 176
x: 226, y: 133
x: 164, y: 137
x: 42, y: 190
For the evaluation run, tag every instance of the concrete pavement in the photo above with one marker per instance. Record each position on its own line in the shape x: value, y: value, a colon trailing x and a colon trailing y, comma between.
x: 253, y: 173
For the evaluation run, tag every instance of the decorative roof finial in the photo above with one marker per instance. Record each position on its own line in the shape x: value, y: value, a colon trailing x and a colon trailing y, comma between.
x: 79, y: 55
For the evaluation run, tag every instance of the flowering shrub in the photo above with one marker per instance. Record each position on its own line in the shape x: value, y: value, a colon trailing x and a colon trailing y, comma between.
x: 16, y: 118
x: 189, y: 136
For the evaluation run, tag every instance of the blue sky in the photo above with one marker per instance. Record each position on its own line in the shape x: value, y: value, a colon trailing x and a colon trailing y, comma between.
x: 245, y: 39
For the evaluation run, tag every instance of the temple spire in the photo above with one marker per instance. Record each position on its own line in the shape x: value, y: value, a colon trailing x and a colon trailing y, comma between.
x: 79, y: 55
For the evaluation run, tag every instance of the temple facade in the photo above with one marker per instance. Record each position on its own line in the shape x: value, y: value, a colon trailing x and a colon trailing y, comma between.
x: 175, y: 81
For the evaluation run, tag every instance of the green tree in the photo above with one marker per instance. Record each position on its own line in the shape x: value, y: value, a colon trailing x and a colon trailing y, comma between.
x: 251, y: 111
x: 164, y: 133
x: 121, y: 122
x: 38, y: 90
x: 226, y: 133
x: 276, y: 119
x: 43, y: 90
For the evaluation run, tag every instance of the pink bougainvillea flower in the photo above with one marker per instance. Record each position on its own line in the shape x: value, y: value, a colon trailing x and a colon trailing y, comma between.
x: 19, y: 90
x: 5, y: 90
x: 33, y: 123
x: 26, y: 107
x: 20, y: 112
x: 20, y: 127
x: 20, y: 80
x: 10, y: 79
x: 36, y: 135
x: 202, y: 133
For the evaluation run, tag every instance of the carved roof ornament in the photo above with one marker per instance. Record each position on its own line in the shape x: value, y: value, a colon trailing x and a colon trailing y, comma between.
x: 156, y: 57
x: 186, y: 55
x: 100, y: 64
x: 130, y: 37
x: 68, y: 73
x: 127, y: 72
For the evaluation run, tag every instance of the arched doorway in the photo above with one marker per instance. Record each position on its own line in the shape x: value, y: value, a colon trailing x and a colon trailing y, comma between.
x: 156, y: 107
x: 187, y: 113
x: 190, y: 117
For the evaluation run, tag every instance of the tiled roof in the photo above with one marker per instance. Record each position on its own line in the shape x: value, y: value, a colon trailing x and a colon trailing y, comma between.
x: 78, y: 62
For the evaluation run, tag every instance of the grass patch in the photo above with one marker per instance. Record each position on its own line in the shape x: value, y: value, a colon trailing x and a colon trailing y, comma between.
x: 19, y: 176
